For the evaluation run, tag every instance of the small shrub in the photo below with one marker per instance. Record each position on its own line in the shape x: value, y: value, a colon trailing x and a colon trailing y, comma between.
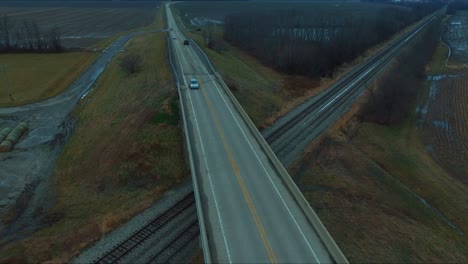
x: 170, y: 118
x: 131, y: 63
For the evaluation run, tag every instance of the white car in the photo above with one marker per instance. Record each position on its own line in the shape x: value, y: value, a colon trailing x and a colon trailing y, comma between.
x: 194, y: 84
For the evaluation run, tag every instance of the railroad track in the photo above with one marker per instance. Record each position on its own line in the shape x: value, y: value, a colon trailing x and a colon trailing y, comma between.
x: 186, y: 236
x: 284, y: 138
x: 124, y: 248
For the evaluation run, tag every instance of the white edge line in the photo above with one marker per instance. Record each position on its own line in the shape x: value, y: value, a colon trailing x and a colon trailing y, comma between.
x: 269, y: 177
x: 206, y: 165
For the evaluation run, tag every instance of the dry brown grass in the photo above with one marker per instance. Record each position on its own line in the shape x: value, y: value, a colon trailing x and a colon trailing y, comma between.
x: 366, y: 198
x: 199, y: 258
x: 117, y: 163
x: 35, y: 77
x: 364, y: 181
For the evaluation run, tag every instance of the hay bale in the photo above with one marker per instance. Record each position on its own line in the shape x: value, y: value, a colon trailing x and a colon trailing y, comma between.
x: 6, y: 146
x: 13, y: 137
x: 23, y: 126
x: 4, y: 133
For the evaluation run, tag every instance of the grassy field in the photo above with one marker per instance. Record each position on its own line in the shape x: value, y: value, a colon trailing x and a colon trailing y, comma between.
x: 35, y: 77
x: 125, y: 153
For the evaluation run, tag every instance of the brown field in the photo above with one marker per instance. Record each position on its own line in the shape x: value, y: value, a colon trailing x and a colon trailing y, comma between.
x: 445, y: 124
x: 83, y: 26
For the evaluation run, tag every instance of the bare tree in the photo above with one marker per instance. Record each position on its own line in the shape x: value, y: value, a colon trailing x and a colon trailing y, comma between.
x: 20, y: 37
x: 5, y: 27
x: 54, y: 39
x: 28, y: 36
x: 37, y: 35
x: 27, y: 28
x: 131, y: 63
x: 313, y: 42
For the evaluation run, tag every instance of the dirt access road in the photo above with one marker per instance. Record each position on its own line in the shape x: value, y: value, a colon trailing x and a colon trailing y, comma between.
x: 26, y: 185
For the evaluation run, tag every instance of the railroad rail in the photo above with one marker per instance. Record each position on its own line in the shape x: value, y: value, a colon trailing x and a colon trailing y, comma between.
x: 186, y: 236
x: 335, y: 96
x: 124, y: 248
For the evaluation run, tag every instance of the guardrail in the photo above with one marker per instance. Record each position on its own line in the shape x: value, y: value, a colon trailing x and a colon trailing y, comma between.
x: 188, y: 145
x: 326, y: 238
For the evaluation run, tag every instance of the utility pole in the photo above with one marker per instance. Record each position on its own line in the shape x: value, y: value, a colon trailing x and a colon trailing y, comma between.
x: 7, y: 84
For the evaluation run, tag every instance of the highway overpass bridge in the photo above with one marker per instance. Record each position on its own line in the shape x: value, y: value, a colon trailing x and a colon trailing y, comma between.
x: 249, y: 208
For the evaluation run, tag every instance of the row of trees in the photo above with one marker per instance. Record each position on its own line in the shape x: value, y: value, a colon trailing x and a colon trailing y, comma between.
x: 315, y: 42
x: 454, y: 6
x: 395, y: 93
x: 27, y: 36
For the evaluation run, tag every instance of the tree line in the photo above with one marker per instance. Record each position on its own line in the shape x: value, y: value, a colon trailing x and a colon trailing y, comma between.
x: 315, y: 42
x: 393, y: 98
x: 27, y: 36
x: 454, y: 6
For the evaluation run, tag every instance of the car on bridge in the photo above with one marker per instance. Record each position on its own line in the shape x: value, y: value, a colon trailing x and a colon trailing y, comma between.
x: 194, y: 84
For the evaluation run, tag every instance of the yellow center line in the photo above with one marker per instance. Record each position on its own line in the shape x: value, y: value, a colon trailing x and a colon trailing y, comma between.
x: 253, y: 211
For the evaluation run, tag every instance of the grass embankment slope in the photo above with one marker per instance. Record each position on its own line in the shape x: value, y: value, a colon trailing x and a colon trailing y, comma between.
x: 366, y: 182
x: 363, y: 187
x: 125, y: 153
x: 259, y: 89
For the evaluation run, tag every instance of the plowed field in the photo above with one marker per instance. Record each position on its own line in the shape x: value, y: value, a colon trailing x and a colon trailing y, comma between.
x: 446, y: 122
x: 83, y: 26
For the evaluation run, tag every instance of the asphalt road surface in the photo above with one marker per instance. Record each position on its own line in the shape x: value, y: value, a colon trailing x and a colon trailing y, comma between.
x: 250, y: 215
